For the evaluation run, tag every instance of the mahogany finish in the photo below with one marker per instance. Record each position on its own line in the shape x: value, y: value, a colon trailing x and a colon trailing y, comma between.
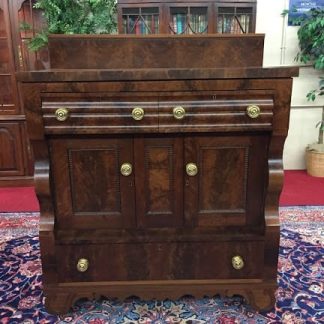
x: 215, y: 51
x: 161, y: 230
x: 15, y: 154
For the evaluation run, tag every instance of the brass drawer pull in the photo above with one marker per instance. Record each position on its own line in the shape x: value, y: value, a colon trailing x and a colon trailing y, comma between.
x: 126, y: 169
x: 178, y: 112
x: 82, y: 265
x: 253, y: 111
x: 237, y: 262
x: 191, y: 169
x: 138, y: 113
x: 61, y: 114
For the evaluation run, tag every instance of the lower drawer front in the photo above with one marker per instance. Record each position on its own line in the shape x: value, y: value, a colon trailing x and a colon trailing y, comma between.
x: 160, y: 261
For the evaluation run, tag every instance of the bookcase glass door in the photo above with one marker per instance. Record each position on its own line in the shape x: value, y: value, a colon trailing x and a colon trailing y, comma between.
x: 7, y: 80
x: 140, y: 21
x: 28, y: 21
x: 188, y: 20
x: 234, y: 20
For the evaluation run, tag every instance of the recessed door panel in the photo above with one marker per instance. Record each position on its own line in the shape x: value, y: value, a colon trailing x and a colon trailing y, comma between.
x: 228, y: 189
x: 91, y: 191
x: 159, y: 182
x: 11, y: 149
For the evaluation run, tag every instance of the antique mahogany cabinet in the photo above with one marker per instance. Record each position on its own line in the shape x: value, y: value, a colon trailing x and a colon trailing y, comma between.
x: 158, y: 166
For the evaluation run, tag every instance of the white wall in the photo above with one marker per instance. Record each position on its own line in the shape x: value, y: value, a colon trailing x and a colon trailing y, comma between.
x: 280, y: 48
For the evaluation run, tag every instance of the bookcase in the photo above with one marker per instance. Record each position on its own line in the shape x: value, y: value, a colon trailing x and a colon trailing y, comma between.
x: 19, y: 21
x: 186, y: 17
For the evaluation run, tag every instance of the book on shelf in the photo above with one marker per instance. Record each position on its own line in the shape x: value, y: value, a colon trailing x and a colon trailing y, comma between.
x: 234, y: 24
x: 179, y: 23
x: 198, y: 23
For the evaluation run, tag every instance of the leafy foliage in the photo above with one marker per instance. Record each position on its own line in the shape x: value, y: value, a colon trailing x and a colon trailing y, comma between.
x: 75, y: 17
x: 311, y: 38
x: 311, y: 44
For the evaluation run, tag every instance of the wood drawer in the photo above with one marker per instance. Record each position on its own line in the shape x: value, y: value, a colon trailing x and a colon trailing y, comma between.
x: 142, y: 261
x: 96, y: 117
x: 216, y: 115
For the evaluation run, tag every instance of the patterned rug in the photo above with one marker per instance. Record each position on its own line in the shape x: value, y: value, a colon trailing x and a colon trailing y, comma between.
x: 300, y: 297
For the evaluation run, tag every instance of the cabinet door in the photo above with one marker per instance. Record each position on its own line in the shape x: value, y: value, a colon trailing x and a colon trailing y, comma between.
x: 228, y: 189
x: 11, y: 149
x: 159, y: 181
x: 26, y: 21
x: 90, y: 191
x: 8, y: 89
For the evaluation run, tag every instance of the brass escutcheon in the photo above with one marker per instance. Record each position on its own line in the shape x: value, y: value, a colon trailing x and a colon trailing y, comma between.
x: 61, y: 114
x: 237, y: 262
x: 138, y: 113
x: 253, y: 111
x: 191, y: 169
x: 82, y: 265
x: 126, y: 169
x: 178, y: 112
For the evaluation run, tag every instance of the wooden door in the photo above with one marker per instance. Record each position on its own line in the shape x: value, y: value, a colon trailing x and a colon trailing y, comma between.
x: 8, y: 89
x: 11, y: 149
x: 159, y: 181
x: 90, y: 192
x: 229, y: 187
x: 26, y: 21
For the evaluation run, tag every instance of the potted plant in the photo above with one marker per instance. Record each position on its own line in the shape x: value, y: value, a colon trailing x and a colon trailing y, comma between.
x: 311, y: 44
x: 74, y: 17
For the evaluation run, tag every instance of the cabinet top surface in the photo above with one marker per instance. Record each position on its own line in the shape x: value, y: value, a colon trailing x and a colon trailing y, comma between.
x: 75, y: 75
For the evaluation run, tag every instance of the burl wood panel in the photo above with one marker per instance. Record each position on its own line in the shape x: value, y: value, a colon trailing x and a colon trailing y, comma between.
x: 229, y: 187
x: 162, y: 51
x: 158, y: 179
x: 89, y: 188
x: 160, y: 261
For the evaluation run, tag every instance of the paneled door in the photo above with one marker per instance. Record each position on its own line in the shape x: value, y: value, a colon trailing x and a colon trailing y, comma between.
x: 224, y: 181
x: 12, y: 128
x: 94, y: 183
x: 159, y: 181
x: 8, y: 87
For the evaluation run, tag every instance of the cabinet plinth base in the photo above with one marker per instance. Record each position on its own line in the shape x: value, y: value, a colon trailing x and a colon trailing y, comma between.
x: 257, y: 293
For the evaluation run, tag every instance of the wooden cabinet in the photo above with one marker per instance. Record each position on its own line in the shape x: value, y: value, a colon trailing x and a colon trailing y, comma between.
x: 88, y: 169
x: 15, y: 157
x: 157, y: 182
x: 157, y: 187
x: 186, y: 17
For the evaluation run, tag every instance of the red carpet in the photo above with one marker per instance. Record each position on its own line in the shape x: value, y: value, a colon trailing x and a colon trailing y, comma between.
x: 299, y: 189
x: 21, y: 199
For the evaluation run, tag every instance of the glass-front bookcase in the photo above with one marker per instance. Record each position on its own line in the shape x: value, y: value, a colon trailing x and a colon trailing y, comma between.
x: 188, y: 20
x: 143, y: 17
x: 140, y: 21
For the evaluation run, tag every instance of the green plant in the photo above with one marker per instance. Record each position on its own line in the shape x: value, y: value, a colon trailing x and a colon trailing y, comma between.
x: 75, y: 17
x: 311, y: 44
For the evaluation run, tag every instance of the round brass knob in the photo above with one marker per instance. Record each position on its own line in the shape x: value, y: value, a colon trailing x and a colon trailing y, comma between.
x: 253, y: 111
x: 126, y: 169
x: 178, y: 112
x: 61, y: 114
x: 138, y: 113
x: 191, y: 169
x: 237, y: 262
x: 82, y: 265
